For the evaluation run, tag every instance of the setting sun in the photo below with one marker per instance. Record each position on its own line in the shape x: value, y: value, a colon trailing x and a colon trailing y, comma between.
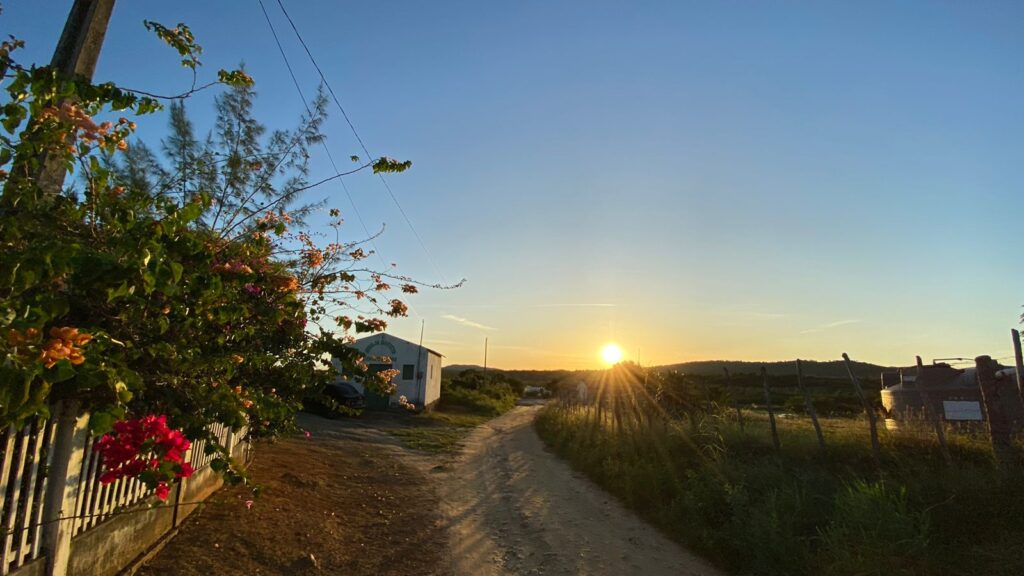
x: 611, y: 354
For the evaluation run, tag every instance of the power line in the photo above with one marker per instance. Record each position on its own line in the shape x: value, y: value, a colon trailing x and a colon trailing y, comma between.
x: 327, y: 150
x: 359, y: 139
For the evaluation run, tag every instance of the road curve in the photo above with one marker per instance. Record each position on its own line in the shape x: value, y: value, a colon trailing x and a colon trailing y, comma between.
x: 513, y: 507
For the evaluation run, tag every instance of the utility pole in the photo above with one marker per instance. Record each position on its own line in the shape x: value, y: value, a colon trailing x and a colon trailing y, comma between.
x: 485, y: 360
x: 76, y: 54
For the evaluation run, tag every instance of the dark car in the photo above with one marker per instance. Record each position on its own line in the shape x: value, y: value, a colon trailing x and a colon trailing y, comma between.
x: 336, y: 398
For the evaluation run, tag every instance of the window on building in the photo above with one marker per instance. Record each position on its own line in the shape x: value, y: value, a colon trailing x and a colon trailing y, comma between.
x: 408, y: 372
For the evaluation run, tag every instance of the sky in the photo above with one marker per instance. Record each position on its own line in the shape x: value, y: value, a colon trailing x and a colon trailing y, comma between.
x: 690, y: 180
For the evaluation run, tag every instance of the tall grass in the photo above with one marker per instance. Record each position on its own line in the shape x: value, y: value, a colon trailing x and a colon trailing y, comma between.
x: 727, y: 494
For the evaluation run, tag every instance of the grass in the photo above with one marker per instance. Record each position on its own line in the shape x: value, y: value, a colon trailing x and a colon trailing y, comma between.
x: 439, y: 431
x: 725, y: 493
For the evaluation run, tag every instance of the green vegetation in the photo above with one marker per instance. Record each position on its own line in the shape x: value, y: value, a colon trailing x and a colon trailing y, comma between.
x: 725, y: 493
x: 437, y: 431
x: 177, y: 285
x: 467, y: 400
x: 473, y: 393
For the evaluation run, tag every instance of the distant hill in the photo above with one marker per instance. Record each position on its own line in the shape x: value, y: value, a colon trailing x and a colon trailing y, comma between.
x: 831, y: 369
x: 811, y: 368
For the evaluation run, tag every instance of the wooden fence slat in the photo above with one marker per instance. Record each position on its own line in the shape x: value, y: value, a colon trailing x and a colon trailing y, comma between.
x: 37, y: 517
x: 11, y: 514
x: 23, y: 530
x: 5, y: 473
x: 84, y: 481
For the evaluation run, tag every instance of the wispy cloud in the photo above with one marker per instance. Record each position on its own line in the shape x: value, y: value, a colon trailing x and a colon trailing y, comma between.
x: 466, y: 322
x: 830, y: 325
x: 767, y: 315
x: 573, y: 305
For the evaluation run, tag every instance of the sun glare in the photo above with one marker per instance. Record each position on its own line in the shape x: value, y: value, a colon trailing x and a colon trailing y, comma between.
x: 611, y: 354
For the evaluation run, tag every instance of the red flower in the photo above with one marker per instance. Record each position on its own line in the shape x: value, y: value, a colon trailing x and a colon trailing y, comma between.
x: 140, y: 448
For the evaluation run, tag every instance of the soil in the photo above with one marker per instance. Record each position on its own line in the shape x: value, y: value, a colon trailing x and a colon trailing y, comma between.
x: 513, y: 507
x: 361, y: 503
x: 328, y: 506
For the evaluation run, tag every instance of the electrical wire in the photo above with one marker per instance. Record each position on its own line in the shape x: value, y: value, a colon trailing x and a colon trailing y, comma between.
x: 327, y: 150
x: 359, y: 139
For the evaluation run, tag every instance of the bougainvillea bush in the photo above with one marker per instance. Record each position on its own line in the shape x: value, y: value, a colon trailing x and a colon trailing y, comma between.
x: 173, y: 296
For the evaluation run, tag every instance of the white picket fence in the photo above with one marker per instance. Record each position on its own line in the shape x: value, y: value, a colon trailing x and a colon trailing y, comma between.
x: 23, y: 485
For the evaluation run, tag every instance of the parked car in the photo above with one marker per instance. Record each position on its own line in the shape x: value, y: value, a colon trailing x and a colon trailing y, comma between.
x: 336, y: 398
x: 536, y: 392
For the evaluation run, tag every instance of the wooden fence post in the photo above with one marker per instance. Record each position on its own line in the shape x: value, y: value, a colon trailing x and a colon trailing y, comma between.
x: 921, y: 383
x: 63, y: 480
x: 1018, y: 363
x: 809, y: 405
x: 868, y: 409
x: 771, y: 411
x: 735, y: 399
x: 993, y: 394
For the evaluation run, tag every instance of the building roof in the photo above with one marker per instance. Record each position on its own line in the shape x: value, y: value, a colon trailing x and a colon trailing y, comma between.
x: 368, y: 339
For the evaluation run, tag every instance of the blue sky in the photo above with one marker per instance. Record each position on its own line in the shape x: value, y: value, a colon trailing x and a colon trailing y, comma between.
x: 734, y: 180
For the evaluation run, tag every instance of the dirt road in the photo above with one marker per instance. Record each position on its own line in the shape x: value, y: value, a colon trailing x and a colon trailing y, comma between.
x: 512, y: 507
x: 352, y: 500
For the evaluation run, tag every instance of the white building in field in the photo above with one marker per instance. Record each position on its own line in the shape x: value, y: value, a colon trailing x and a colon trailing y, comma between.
x: 419, y: 370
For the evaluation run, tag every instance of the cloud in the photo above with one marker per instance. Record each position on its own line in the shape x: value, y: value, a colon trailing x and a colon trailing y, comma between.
x: 767, y: 315
x: 830, y: 325
x: 466, y: 322
x: 573, y: 305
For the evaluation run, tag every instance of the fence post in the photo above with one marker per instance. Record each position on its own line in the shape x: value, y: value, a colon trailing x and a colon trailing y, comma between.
x: 868, y: 409
x: 735, y: 399
x: 771, y: 411
x: 1018, y: 363
x: 992, y: 394
x: 63, y: 479
x: 921, y: 383
x: 809, y: 405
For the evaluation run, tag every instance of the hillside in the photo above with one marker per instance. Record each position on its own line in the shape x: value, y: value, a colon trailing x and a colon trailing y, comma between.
x: 811, y: 368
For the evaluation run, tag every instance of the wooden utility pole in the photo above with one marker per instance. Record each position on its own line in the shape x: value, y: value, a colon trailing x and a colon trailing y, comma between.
x: 76, y: 54
x: 868, y: 409
x: 809, y: 405
x: 485, y: 360
x: 771, y: 411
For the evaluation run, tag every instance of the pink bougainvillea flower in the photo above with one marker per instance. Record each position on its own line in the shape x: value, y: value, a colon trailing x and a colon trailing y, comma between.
x: 308, y: 434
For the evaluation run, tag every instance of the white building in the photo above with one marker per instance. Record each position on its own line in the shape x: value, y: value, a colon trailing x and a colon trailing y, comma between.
x: 419, y: 369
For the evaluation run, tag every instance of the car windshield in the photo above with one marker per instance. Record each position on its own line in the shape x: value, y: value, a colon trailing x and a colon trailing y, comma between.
x: 346, y: 388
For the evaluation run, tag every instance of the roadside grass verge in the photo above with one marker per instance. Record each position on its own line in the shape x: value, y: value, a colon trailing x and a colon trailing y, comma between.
x: 467, y: 401
x: 727, y: 495
x: 439, y: 431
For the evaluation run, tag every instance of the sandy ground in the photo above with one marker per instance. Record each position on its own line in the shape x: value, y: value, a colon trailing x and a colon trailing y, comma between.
x: 363, y: 504
x: 512, y: 507
x: 329, y: 506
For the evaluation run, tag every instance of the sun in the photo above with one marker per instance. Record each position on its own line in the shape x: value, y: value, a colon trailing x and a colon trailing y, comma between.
x: 611, y: 354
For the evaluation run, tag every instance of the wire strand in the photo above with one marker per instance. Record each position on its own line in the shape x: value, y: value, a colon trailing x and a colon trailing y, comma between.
x: 359, y: 139
x: 327, y: 150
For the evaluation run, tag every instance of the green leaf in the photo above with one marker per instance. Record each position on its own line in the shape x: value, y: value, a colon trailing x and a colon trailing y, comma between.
x: 176, y: 270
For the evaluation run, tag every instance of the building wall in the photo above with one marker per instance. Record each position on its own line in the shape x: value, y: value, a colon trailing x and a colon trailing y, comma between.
x: 422, y: 388
x: 432, y: 378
